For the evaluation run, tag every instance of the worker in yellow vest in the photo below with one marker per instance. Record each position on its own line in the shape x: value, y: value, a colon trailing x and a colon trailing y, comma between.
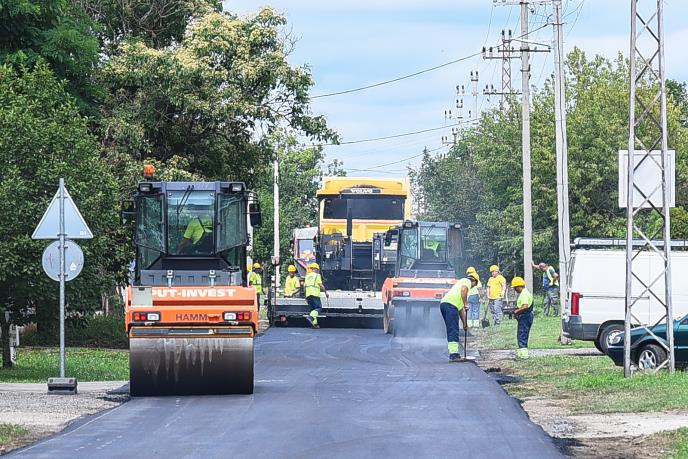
x: 314, y: 285
x: 453, y: 306
x: 255, y: 279
x: 524, y: 315
x: 474, y: 300
x: 292, y: 282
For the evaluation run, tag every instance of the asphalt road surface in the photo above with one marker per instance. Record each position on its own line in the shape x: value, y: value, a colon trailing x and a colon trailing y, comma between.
x: 329, y: 393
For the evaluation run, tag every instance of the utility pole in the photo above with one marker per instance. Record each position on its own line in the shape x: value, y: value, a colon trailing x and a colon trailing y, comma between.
x: 505, y: 53
x: 474, y: 113
x: 276, y: 216
x: 562, y: 164
x: 525, y: 135
x: 647, y: 131
x: 525, y: 145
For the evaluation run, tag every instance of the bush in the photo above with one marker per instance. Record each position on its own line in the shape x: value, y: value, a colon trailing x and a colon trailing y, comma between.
x: 97, y: 332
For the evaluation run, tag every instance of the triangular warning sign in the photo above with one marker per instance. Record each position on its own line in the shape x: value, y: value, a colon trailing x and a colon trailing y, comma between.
x: 74, y: 225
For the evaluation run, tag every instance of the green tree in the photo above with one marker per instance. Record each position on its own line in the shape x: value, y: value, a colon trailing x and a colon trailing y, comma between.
x: 209, y: 97
x: 300, y: 170
x: 479, y: 181
x: 158, y: 23
x: 58, y: 32
x: 43, y: 137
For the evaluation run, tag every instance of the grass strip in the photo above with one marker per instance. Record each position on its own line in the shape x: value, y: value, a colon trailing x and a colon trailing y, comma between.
x: 85, y: 364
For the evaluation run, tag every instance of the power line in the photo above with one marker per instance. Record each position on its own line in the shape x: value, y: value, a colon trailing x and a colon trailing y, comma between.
x: 394, y: 80
x: 404, y: 77
x: 393, y: 136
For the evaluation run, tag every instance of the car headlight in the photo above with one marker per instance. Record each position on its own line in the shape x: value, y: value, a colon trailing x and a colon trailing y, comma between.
x: 616, y: 339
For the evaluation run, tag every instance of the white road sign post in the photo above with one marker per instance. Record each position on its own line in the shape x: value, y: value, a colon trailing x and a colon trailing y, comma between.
x: 62, y: 221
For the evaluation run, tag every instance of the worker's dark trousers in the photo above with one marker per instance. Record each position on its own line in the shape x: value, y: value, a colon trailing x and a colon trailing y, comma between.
x: 450, y: 314
x: 525, y: 321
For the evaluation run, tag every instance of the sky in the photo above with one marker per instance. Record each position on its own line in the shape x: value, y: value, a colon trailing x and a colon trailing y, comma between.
x: 354, y: 43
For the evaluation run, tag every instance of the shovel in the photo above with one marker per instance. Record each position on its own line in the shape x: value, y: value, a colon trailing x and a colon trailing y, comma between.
x: 465, y: 348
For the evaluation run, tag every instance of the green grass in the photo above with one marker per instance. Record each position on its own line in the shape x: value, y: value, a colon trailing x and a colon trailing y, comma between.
x: 37, y: 365
x: 11, y: 433
x: 593, y: 384
x: 544, y: 334
x: 679, y: 441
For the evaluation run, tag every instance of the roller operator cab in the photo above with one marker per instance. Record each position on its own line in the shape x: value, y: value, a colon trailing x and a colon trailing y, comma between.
x: 430, y: 259
x: 190, y: 316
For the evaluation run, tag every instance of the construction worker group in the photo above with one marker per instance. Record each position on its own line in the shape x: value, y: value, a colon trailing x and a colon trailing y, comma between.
x: 460, y: 305
x: 462, y: 302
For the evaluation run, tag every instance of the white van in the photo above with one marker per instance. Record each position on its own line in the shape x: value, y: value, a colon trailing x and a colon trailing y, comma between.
x: 596, y: 304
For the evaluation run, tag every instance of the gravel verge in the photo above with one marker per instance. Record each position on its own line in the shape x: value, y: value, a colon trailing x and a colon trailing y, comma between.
x: 30, y: 405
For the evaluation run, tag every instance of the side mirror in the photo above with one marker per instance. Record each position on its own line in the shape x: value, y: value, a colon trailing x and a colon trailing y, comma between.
x: 255, y: 215
x: 127, y: 213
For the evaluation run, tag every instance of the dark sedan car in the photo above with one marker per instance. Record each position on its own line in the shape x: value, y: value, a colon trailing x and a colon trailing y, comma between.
x: 646, y: 352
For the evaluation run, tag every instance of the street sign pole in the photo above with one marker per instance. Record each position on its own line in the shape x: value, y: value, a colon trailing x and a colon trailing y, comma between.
x: 62, y: 222
x: 62, y: 280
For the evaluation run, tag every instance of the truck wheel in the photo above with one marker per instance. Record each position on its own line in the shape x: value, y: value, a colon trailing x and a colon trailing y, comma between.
x: 607, y: 333
x: 650, y: 357
x: 599, y: 346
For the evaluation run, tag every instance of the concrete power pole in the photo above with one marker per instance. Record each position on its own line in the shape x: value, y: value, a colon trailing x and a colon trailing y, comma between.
x: 562, y: 163
x: 525, y: 133
x: 525, y: 51
x: 474, y: 113
x: 276, y: 216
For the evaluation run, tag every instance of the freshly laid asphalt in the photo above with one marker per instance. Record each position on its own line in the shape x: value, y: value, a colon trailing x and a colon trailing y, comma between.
x: 328, y: 393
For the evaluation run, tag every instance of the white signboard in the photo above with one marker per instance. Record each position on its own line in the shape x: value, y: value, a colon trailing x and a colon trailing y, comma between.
x: 648, y: 178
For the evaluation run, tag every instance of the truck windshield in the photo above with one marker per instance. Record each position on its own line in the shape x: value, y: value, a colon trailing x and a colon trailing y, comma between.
x: 433, y: 244
x: 149, y: 234
x: 408, y: 250
x: 190, y: 222
x: 368, y: 208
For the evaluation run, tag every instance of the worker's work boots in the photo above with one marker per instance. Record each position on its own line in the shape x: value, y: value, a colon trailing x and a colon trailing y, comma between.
x: 454, y: 357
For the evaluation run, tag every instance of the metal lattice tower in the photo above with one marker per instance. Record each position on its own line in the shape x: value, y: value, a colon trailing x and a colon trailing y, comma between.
x: 504, y: 52
x: 646, y: 220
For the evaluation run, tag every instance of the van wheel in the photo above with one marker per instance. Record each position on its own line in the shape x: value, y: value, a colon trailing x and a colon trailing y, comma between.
x: 599, y: 346
x: 607, y: 333
x: 650, y: 357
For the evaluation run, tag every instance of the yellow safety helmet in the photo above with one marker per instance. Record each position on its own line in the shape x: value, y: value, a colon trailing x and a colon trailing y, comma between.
x: 256, y: 265
x: 471, y: 269
x: 518, y: 282
x: 494, y: 268
x: 314, y: 266
x: 475, y: 276
x: 291, y: 269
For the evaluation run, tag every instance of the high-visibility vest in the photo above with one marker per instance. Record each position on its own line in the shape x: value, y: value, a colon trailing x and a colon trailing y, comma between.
x: 549, y: 281
x: 312, y: 284
x: 291, y: 285
x: 453, y: 296
x: 256, y: 280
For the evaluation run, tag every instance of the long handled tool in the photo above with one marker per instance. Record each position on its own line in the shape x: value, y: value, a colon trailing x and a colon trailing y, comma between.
x: 465, y: 348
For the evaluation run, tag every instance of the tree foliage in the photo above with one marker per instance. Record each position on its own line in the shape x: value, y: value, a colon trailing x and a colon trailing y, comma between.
x: 158, y: 23
x: 207, y: 98
x: 478, y: 182
x: 42, y: 138
x: 57, y: 32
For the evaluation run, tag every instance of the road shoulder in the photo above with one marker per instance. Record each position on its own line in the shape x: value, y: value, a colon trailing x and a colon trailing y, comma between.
x: 30, y: 413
